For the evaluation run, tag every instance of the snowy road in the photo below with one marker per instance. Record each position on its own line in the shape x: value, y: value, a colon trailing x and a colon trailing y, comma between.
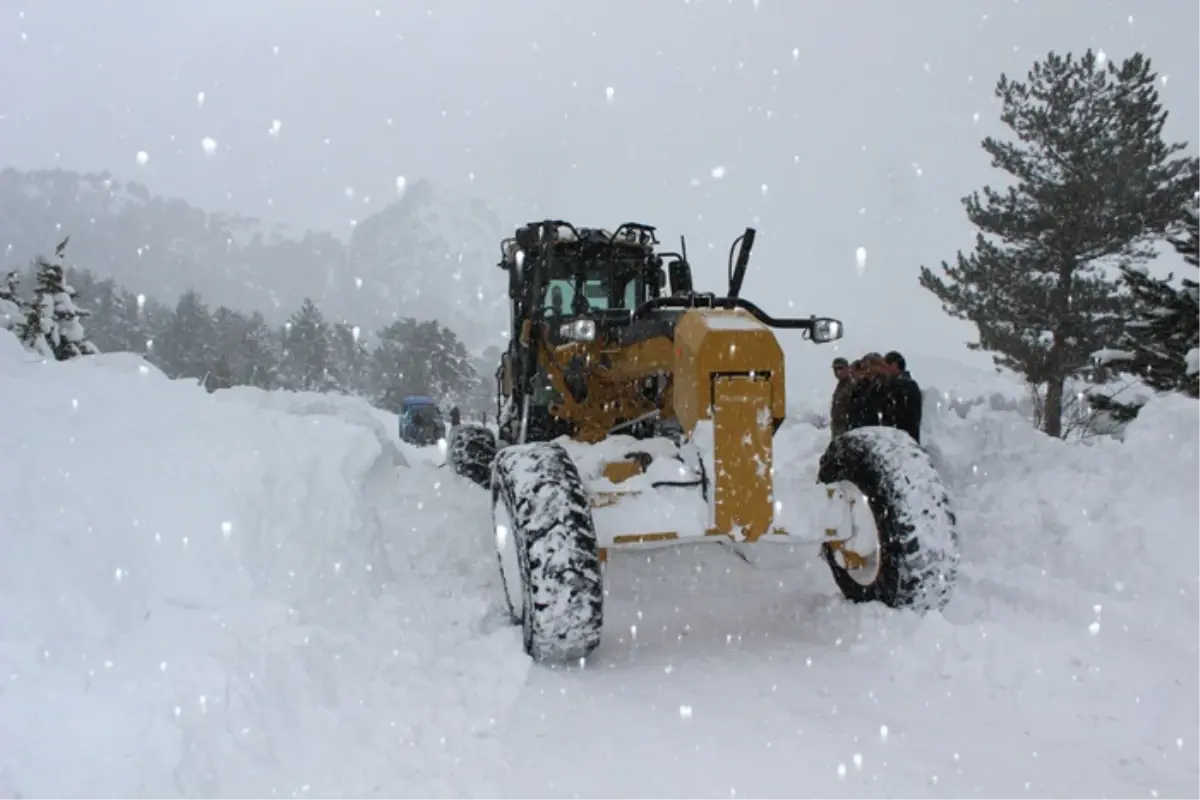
x: 1048, y: 676
x: 251, y: 595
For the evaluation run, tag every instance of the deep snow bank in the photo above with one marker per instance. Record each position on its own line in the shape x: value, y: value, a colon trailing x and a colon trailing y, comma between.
x: 202, y: 594
x: 1106, y: 517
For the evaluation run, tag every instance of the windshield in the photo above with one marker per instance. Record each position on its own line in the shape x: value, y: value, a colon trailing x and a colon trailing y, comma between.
x: 560, y: 295
x: 425, y: 414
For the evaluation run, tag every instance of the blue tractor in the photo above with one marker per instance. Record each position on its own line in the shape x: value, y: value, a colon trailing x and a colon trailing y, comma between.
x: 421, y: 421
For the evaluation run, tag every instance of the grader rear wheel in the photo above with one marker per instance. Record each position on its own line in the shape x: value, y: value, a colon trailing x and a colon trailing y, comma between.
x: 470, y: 451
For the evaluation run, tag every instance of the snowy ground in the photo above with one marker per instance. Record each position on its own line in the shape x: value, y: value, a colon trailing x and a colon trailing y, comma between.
x: 252, y: 594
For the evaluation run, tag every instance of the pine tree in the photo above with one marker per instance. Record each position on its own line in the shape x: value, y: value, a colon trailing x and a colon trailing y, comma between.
x: 1094, y: 182
x: 187, y: 346
x: 12, y: 310
x: 307, y: 364
x: 350, y: 357
x: 395, y: 369
x: 1159, y: 341
x: 53, y: 326
x: 452, y: 371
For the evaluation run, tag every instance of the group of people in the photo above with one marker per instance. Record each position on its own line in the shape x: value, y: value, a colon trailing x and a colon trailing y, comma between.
x: 875, y: 390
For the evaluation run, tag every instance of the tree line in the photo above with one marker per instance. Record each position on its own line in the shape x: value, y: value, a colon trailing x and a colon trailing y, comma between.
x: 1057, y: 285
x: 223, y: 348
x: 393, y: 262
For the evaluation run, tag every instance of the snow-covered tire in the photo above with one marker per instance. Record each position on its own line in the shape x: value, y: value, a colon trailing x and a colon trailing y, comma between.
x: 918, y: 540
x: 546, y: 536
x: 470, y: 451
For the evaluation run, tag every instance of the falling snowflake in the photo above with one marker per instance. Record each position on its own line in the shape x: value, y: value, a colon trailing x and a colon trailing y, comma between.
x: 860, y: 258
x: 200, y: 99
x: 275, y: 126
x: 209, y: 144
x: 718, y: 172
x: 400, y: 183
x: 142, y: 158
x: 608, y: 93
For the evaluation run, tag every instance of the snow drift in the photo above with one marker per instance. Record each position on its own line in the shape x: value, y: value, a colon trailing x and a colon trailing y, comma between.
x: 200, y: 596
x: 251, y: 594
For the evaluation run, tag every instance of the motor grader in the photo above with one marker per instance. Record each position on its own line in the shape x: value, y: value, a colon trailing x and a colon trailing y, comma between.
x: 634, y: 411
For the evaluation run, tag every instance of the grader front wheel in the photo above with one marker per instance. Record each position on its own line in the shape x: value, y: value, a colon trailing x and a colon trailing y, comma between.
x: 911, y: 561
x: 546, y: 546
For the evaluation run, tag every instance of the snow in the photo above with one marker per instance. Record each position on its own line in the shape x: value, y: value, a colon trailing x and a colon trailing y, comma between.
x: 641, y: 509
x: 1111, y: 355
x: 738, y: 321
x: 1193, y: 361
x: 10, y: 314
x: 247, y: 594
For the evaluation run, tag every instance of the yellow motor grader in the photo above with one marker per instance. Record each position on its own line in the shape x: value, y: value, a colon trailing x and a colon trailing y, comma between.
x: 635, y: 412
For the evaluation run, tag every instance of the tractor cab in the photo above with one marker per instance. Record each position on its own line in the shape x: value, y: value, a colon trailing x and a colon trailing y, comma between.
x: 583, y: 288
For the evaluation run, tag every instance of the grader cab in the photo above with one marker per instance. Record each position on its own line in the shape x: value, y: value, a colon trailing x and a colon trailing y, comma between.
x: 634, y: 411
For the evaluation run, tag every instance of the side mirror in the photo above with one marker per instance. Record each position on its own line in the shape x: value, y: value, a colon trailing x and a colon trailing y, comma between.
x: 825, y: 329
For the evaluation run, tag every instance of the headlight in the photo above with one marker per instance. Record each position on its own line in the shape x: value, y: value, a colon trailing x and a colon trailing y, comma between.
x: 581, y: 330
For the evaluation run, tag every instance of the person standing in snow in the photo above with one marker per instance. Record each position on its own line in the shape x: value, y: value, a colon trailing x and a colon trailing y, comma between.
x: 839, y: 410
x: 868, y: 392
x: 904, y: 399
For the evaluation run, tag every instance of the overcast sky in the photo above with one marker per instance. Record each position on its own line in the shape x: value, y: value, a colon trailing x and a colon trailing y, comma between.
x: 828, y: 124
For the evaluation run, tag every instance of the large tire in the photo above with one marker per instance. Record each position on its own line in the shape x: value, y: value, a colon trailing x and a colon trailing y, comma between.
x: 918, y: 542
x: 546, y: 545
x: 470, y: 451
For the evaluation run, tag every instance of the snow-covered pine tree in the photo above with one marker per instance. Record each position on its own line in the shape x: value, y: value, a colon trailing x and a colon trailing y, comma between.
x: 1094, y: 182
x: 11, y: 307
x: 1160, y: 340
x: 53, y: 326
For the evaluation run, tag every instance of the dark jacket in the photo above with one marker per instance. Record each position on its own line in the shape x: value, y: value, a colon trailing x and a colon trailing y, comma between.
x: 904, y: 405
x: 868, y: 402
x: 893, y: 401
x: 839, y: 410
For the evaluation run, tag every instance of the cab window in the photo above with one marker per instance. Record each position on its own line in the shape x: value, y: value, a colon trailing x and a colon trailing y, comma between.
x: 560, y: 294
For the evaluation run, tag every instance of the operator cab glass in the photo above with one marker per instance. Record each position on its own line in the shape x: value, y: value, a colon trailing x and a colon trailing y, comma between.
x: 598, y: 292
